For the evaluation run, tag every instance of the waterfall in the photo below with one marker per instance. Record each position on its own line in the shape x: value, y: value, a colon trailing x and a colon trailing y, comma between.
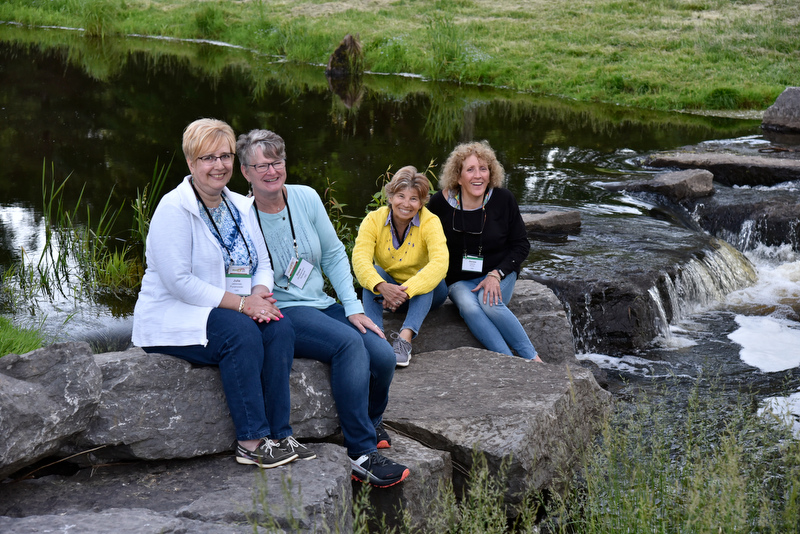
x: 700, y: 284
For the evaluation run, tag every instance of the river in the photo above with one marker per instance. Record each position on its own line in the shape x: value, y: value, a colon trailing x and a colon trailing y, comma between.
x: 104, y: 116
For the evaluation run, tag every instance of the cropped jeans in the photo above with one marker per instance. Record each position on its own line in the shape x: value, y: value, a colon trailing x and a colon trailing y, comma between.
x: 254, y: 361
x: 495, y: 326
x: 416, y: 308
x: 362, y: 368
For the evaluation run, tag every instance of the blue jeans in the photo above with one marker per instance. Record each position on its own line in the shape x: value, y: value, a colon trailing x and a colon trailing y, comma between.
x: 416, y: 308
x: 254, y: 361
x: 496, y: 327
x: 362, y: 368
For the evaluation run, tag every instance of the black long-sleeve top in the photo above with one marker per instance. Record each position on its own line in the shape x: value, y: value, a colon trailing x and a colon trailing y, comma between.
x: 504, y: 240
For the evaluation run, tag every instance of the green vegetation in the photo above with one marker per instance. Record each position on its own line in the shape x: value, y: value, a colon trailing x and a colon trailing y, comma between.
x: 707, y: 464
x: 663, y: 54
x: 83, y: 255
x: 18, y: 340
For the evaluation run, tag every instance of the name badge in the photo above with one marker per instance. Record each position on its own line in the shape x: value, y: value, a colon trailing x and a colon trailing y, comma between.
x: 238, y: 280
x: 298, y: 272
x: 472, y: 264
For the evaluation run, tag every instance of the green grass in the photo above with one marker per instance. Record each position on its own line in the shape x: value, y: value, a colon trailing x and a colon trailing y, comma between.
x: 18, y: 340
x: 660, y: 54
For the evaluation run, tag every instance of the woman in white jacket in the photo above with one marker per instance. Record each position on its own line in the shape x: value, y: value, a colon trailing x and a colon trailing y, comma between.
x: 206, y: 297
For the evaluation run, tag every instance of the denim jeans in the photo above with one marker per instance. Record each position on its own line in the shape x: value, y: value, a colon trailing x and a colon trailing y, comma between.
x: 254, y: 361
x: 362, y: 368
x: 496, y: 327
x: 416, y: 308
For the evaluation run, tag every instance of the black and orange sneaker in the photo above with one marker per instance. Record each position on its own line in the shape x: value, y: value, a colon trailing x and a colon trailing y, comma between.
x: 378, y: 470
x: 384, y: 441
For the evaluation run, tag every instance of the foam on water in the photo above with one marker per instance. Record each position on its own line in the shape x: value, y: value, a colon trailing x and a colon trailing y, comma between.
x: 768, y: 343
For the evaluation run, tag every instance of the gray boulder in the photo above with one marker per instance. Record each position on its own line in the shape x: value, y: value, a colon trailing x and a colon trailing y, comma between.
x: 46, y: 396
x: 155, y: 406
x: 536, y: 416
x: 553, y: 222
x: 538, y: 309
x: 784, y: 114
x: 208, y: 494
x: 730, y: 169
x: 418, y: 496
x: 676, y: 186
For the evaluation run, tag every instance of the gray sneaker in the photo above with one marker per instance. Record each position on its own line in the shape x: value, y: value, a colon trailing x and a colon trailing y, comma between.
x: 402, y: 350
x: 268, y: 454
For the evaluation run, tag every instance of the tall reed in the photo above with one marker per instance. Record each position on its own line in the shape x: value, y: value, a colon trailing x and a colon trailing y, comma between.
x: 716, y: 467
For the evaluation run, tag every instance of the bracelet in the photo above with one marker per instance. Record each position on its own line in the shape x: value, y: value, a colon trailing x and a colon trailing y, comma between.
x: 241, y: 305
x: 494, y: 275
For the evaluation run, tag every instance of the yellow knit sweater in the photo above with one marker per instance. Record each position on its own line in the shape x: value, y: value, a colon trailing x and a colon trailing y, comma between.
x: 419, y: 264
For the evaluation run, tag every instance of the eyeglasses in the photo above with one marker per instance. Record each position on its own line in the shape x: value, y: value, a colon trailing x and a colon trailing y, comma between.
x: 262, y: 168
x: 211, y: 159
x: 462, y: 219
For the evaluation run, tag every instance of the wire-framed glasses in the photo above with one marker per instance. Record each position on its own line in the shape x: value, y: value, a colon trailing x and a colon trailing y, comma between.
x: 262, y: 168
x: 211, y: 159
x: 466, y: 222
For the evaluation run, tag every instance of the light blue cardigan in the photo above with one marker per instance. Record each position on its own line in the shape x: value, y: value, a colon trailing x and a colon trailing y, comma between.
x: 185, y: 276
x: 318, y: 243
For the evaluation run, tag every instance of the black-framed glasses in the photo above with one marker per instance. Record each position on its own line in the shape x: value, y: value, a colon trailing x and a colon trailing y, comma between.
x: 211, y: 159
x: 464, y: 225
x: 262, y: 168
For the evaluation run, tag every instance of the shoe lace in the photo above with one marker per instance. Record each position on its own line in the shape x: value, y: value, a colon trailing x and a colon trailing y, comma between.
x: 292, y: 443
x: 267, y: 445
x: 376, y: 458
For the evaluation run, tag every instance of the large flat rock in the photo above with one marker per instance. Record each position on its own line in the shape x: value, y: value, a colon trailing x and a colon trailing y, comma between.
x: 538, y: 415
x: 731, y: 169
x: 209, y: 494
x: 538, y: 309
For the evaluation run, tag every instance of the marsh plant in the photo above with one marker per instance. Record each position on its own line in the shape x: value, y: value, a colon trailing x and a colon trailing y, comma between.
x: 716, y: 466
x: 83, y: 255
x: 97, y: 17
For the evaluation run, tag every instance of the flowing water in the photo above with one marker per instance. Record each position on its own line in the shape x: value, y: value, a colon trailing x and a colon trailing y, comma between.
x: 106, y: 115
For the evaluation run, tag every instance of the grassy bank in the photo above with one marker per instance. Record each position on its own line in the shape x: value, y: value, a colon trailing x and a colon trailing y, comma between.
x: 661, y: 54
x: 18, y: 339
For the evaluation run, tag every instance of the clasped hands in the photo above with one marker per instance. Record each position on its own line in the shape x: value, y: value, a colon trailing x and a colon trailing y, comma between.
x: 261, y: 307
x: 393, y: 295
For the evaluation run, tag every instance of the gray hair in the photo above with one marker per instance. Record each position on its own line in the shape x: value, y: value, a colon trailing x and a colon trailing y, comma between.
x: 268, y: 142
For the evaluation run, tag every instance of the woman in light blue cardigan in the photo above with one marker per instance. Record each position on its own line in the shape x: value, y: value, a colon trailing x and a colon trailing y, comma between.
x: 303, y: 245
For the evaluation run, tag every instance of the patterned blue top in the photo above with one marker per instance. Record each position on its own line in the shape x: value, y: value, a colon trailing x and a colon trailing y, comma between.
x: 233, y: 246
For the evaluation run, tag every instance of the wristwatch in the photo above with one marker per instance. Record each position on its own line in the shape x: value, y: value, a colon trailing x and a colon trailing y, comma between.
x: 501, y: 273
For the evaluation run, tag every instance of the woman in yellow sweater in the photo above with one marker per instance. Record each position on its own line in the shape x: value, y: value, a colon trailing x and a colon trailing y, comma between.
x: 400, y: 258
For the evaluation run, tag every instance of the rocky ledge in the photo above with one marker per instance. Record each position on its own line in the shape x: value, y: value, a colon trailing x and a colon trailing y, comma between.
x: 145, y: 440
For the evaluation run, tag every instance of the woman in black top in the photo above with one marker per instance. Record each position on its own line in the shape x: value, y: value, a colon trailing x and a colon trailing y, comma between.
x: 487, y: 241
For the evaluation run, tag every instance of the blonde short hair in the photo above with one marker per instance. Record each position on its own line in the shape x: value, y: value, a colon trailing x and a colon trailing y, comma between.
x: 451, y: 171
x: 203, y: 134
x: 406, y: 178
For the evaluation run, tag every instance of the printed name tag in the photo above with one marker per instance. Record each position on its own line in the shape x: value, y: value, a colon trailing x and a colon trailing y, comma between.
x: 472, y: 264
x: 298, y: 272
x: 238, y: 280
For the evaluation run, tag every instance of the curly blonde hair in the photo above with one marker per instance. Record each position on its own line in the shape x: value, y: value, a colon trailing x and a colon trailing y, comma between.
x: 451, y: 171
x: 408, y: 178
